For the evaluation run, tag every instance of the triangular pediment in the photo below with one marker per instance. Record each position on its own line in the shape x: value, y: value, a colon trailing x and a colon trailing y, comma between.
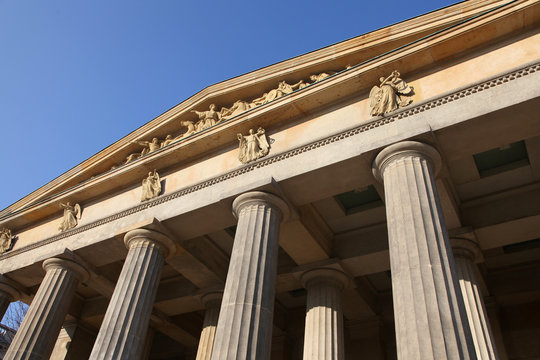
x: 354, y: 67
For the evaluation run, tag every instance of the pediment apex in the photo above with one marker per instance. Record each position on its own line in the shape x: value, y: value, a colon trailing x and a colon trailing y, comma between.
x: 395, y: 46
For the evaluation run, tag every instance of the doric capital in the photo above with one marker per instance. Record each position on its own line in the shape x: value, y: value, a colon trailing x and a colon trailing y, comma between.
x: 66, y: 264
x: 325, y: 275
x: 259, y: 197
x: 466, y: 248
x: 402, y: 149
x: 145, y: 237
x: 9, y: 287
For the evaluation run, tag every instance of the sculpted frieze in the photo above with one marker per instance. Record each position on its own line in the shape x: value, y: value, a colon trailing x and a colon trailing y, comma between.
x: 149, y: 146
x: 207, y: 118
x: 252, y: 146
x: 237, y: 108
x: 282, y: 89
x: 72, y: 213
x: 151, y: 186
x: 391, y: 94
x: 168, y: 139
x: 6, y: 240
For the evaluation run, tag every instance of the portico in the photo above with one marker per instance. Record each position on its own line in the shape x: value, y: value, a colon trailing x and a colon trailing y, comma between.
x: 325, y: 232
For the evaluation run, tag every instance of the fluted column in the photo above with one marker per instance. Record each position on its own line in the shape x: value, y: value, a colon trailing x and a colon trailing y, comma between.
x: 430, y: 317
x: 212, y: 302
x: 244, y: 328
x: 8, y: 294
x: 123, y: 330
x: 465, y: 253
x: 41, y: 325
x: 323, y: 338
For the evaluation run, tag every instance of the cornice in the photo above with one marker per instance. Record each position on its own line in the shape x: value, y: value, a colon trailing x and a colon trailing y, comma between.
x: 374, y: 123
x: 333, y: 57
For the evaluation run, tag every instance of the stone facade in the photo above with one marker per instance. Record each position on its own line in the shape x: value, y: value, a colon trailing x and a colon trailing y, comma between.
x: 343, y: 207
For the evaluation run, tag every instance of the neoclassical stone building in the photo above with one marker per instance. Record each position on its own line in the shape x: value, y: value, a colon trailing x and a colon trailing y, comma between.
x: 375, y: 199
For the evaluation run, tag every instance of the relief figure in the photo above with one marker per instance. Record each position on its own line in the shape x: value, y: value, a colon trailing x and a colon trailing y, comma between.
x: 319, y: 77
x: 282, y: 89
x: 252, y: 146
x: 168, y: 139
x: 149, y: 146
x: 6, y: 240
x: 72, y: 213
x: 190, y: 129
x: 151, y: 186
x: 392, y: 93
x: 237, y: 108
x: 207, y: 118
x: 132, y: 157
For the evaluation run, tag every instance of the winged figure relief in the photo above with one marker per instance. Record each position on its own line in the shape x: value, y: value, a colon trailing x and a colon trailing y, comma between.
x: 392, y: 93
x: 151, y: 186
x: 6, y: 240
x: 252, y: 146
x: 72, y: 213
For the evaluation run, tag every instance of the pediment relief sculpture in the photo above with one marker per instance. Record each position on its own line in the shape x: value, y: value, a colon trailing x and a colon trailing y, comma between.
x: 321, y: 76
x: 149, y: 146
x: 6, y: 240
x: 252, y: 146
x: 208, y: 118
x: 191, y: 129
x: 391, y: 94
x: 237, y: 108
x: 151, y: 186
x: 282, y: 89
x: 168, y: 139
x: 72, y: 213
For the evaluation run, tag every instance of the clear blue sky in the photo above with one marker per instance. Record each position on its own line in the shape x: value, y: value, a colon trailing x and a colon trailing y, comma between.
x: 75, y: 76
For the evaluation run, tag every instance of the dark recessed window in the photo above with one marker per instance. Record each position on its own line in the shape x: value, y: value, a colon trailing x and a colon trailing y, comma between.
x: 522, y: 246
x: 501, y: 159
x: 359, y: 199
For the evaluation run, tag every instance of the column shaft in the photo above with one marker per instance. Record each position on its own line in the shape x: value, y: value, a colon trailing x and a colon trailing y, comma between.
x: 123, y: 330
x: 206, y: 342
x: 244, y: 328
x: 323, y: 338
x: 429, y: 313
x: 212, y: 303
x: 474, y: 305
x: 41, y: 325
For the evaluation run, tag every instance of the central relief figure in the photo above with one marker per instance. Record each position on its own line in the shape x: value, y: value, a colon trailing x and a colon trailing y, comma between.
x: 252, y: 146
x: 151, y: 186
